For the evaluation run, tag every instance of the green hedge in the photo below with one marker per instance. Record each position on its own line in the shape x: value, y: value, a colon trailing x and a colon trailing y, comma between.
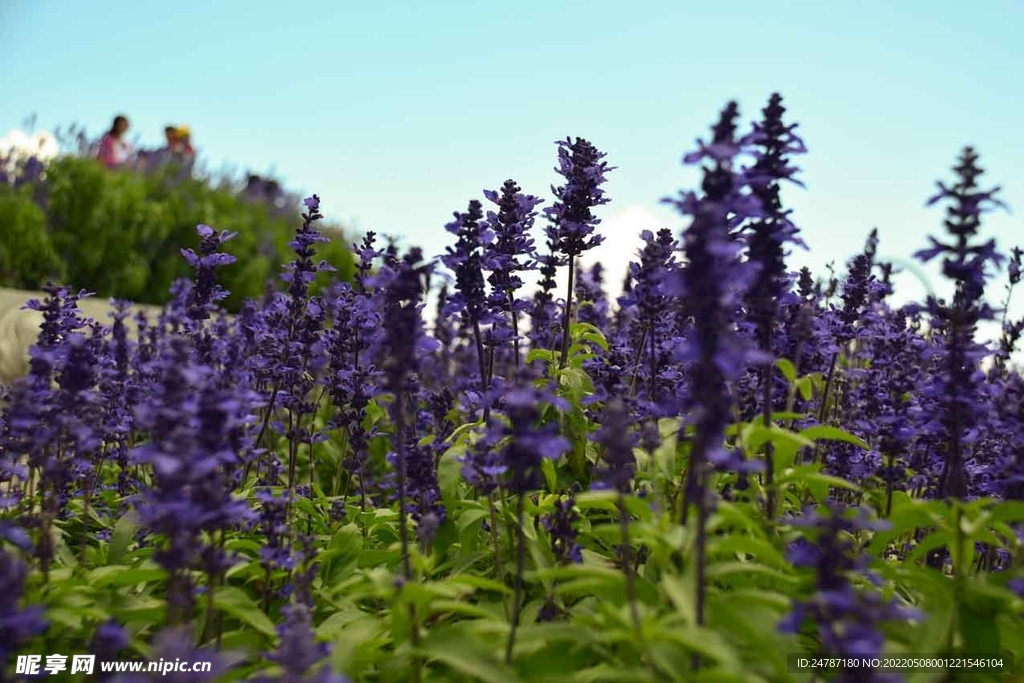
x: 119, y: 234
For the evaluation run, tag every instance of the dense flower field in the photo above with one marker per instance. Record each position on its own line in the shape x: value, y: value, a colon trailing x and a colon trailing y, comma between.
x: 729, y: 468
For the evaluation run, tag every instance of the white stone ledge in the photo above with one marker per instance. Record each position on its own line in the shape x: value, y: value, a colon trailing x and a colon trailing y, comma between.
x: 19, y: 328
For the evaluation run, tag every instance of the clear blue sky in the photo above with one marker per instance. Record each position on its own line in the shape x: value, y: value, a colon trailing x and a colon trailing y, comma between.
x: 398, y: 113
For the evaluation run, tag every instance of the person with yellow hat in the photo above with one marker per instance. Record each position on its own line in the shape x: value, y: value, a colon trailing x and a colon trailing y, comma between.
x: 178, y: 149
x: 183, y: 135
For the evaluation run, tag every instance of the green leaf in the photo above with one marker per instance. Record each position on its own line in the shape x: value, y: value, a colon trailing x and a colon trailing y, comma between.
x: 70, y: 619
x: 127, y: 576
x: 461, y: 650
x: 680, y: 591
x: 929, y: 543
x: 830, y: 433
x: 759, y: 435
x: 461, y: 433
x: 239, y: 604
x: 358, y: 642
x: 478, y: 582
x: 759, y: 548
x: 550, y: 472
x: 122, y: 537
x: 541, y: 354
x: 815, y: 481
x: 702, y: 641
x: 805, y: 385
x: 1008, y: 511
x: 932, y: 635
x: 787, y: 369
x: 449, y: 474
x: 725, y: 570
x: 469, y: 518
x: 333, y: 626
x: 978, y: 624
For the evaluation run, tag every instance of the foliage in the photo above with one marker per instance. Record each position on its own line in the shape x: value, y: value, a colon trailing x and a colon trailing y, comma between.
x: 27, y: 253
x: 120, y: 233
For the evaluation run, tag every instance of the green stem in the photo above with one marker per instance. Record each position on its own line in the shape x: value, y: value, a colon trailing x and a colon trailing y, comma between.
x: 517, y: 603
x: 499, y: 568
x: 568, y: 312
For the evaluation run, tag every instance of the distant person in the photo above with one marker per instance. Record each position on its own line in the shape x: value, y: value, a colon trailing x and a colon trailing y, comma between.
x: 183, y: 139
x: 114, y: 150
x: 171, y: 136
x: 167, y: 152
x: 182, y: 154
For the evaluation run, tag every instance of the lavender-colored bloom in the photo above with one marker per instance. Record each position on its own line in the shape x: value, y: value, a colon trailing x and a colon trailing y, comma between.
x: 529, y: 442
x: 856, y: 288
x: 175, y: 646
x: 194, y: 443
x: 483, y: 465
x: 352, y: 380
x: 54, y: 415
x: 847, y: 618
x: 277, y: 552
x: 60, y: 314
x: 404, y: 337
x: 650, y: 298
x: 561, y: 527
x: 108, y: 641
x: 298, y: 654
x: 293, y: 346
x: 650, y: 287
x: 116, y: 387
x: 572, y: 223
x: 617, y: 439
x: 404, y: 340
x: 766, y: 242
x: 509, y: 254
x: 965, y: 262
x: 470, y: 298
x: 206, y: 291
x: 366, y: 254
x: 423, y: 492
x: 1014, y: 268
x: 465, y: 259
x: 17, y: 625
x: 571, y: 230
x: 544, y: 310
x: 710, y: 282
x: 767, y: 237
x: 592, y: 307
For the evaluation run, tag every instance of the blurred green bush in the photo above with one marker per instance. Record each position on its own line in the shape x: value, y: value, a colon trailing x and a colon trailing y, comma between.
x: 27, y: 254
x: 120, y: 234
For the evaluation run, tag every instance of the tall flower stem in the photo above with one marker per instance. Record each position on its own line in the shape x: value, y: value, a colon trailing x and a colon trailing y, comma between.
x: 499, y: 568
x: 481, y: 358
x: 700, y: 578
x: 517, y: 600
x: 769, y: 449
x: 627, y: 567
x: 403, y: 514
x: 823, y: 407
x: 403, y: 526
x: 515, y: 328
x: 566, y: 337
x: 638, y: 360
x: 653, y: 380
x: 572, y: 220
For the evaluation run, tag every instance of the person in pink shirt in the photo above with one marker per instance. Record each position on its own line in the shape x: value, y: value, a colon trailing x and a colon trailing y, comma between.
x: 114, y: 150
